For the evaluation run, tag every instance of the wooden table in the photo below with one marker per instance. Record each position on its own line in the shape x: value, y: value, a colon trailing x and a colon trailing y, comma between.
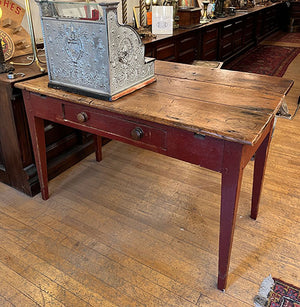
x: 216, y: 119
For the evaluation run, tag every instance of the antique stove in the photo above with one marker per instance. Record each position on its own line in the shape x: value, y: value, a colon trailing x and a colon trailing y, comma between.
x: 90, y: 53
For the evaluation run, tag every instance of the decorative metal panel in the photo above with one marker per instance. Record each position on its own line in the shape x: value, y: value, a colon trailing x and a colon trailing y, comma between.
x: 126, y: 56
x: 97, y: 57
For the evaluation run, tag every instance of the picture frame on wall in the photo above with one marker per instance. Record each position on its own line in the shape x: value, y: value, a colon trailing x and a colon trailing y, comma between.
x: 136, y: 15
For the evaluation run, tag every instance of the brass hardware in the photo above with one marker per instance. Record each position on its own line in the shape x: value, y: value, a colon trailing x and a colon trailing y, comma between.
x: 137, y: 133
x: 82, y: 117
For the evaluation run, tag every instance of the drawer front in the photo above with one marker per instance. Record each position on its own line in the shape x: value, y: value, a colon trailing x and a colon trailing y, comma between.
x: 187, y: 43
x: 116, y: 127
x: 249, y: 30
x: 226, y: 47
x: 210, y: 51
x: 227, y: 29
x: 187, y: 49
x: 166, y: 51
x: 44, y: 107
x: 210, y: 33
x: 226, y: 42
x: 238, y: 35
x: 209, y: 44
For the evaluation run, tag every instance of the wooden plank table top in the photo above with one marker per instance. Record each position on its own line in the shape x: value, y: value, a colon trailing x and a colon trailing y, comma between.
x: 213, y: 118
x: 224, y: 104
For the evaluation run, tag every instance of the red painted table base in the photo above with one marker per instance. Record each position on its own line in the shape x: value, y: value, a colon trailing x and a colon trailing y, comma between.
x: 228, y: 158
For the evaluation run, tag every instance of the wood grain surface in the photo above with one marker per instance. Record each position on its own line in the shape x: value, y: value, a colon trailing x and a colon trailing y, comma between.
x: 224, y: 104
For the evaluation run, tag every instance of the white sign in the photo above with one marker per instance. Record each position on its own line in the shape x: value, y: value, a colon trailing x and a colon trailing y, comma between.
x: 162, y: 19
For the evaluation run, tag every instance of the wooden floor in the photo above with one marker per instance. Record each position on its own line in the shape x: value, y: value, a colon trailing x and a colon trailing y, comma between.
x: 141, y: 229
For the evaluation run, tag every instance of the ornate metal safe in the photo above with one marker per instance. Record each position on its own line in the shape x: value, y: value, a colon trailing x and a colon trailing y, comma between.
x: 90, y: 53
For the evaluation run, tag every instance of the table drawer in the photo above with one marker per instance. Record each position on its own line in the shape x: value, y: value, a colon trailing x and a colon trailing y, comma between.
x: 116, y: 126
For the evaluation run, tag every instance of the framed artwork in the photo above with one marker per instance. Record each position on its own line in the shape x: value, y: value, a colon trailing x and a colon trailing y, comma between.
x: 139, y: 14
x: 136, y: 16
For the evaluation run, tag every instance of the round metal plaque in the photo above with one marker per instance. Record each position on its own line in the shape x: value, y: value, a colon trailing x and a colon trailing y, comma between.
x: 7, y: 45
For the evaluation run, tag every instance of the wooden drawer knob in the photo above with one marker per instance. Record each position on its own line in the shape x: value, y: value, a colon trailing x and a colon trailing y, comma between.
x: 137, y: 133
x: 82, y: 117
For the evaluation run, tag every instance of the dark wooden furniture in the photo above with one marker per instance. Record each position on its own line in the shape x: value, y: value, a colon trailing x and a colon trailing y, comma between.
x: 181, y: 47
x: 65, y: 146
x: 189, y: 17
x: 220, y: 40
x: 294, y: 16
x: 217, y: 119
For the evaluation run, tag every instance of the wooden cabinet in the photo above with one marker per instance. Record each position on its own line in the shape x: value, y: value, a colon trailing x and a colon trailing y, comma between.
x: 161, y: 49
x: 259, y: 30
x: 166, y: 50
x: 249, y: 31
x: 209, y: 43
x: 238, y: 34
x: 226, y: 40
x: 188, y: 47
x: 220, y: 40
x: 181, y: 47
x: 268, y: 20
x: 235, y: 36
x: 65, y: 146
x: 294, y: 16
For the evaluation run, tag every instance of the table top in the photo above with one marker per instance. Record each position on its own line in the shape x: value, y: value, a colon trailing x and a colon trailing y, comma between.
x: 225, y: 104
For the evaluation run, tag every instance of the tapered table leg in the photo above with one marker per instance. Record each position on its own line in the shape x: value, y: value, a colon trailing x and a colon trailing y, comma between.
x: 98, y: 147
x: 39, y: 149
x: 259, y: 171
x: 230, y: 190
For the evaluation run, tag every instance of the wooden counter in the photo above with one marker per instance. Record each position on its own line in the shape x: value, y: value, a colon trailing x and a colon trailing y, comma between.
x: 294, y: 16
x: 220, y: 40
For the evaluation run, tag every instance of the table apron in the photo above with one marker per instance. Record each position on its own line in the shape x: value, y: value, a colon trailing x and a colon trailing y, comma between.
x: 181, y: 144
